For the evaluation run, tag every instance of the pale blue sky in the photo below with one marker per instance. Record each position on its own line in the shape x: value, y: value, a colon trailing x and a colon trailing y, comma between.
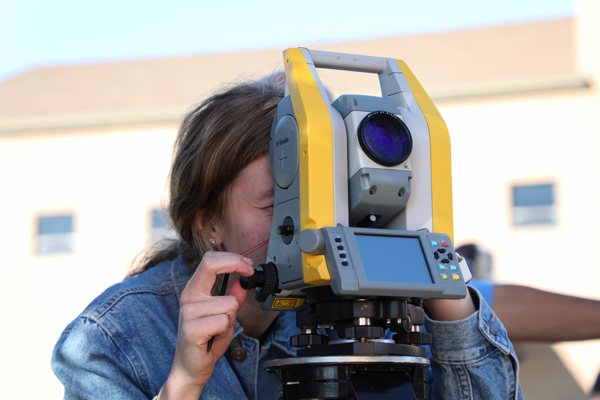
x: 37, y: 33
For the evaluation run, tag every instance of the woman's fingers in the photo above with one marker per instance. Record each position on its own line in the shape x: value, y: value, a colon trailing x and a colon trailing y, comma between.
x: 225, y: 305
x: 203, y: 316
x: 238, y: 292
x: 213, y: 264
x: 198, y: 332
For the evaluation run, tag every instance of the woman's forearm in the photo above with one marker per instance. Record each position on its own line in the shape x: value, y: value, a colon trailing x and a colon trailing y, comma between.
x: 449, y: 310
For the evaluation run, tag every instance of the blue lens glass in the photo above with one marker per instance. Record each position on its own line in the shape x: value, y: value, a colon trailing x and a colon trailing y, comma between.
x: 385, y: 138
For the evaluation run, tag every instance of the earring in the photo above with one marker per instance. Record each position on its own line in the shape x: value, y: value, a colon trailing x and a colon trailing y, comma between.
x: 212, y: 241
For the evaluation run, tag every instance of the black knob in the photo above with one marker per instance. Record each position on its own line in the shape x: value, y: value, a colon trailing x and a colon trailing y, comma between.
x: 254, y: 281
x: 305, y: 340
x: 264, y: 280
x: 270, y: 282
x: 286, y: 230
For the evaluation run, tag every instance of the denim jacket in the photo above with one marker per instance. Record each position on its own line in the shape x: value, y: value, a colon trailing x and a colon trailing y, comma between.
x: 123, y: 344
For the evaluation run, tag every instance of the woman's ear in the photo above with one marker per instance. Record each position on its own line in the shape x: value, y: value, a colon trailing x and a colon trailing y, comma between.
x: 214, y: 233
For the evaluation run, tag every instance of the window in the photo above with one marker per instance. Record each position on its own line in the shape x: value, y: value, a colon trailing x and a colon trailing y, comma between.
x: 55, y: 234
x: 533, y: 205
x: 161, y: 226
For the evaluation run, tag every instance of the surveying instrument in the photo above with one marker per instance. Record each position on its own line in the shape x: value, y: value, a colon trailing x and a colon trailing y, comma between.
x: 362, y: 230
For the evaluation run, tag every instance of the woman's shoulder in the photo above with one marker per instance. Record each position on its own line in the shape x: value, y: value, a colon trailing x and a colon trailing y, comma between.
x: 142, y: 295
x: 130, y: 314
x: 117, y: 331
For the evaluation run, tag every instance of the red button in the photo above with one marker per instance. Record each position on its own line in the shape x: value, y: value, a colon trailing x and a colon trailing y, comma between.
x: 444, y: 244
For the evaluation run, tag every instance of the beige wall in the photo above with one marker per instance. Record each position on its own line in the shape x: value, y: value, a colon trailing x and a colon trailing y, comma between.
x: 548, y: 137
x: 533, y: 139
x: 110, y: 180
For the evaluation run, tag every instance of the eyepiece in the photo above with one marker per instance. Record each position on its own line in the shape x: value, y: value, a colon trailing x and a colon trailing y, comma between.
x: 254, y: 281
x: 385, y: 138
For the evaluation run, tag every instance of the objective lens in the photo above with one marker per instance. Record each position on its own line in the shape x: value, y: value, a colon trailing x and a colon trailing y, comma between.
x: 385, y: 138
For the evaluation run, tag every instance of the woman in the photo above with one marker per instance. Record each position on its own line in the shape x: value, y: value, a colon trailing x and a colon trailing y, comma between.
x: 148, y: 336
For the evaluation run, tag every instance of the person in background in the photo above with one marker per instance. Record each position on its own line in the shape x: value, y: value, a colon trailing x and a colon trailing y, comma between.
x: 530, y: 314
x: 596, y: 389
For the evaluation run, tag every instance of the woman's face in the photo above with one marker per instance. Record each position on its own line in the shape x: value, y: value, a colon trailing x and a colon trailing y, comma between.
x: 250, y: 212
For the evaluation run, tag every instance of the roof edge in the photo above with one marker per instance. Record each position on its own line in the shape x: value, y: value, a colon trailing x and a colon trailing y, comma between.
x: 16, y: 126
x: 510, y: 87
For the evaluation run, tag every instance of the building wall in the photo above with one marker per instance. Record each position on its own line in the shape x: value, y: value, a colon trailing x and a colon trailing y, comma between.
x: 110, y: 180
x: 528, y: 140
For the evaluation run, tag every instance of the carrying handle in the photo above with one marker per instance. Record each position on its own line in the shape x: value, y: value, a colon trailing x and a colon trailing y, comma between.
x: 349, y: 62
x: 391, y: 79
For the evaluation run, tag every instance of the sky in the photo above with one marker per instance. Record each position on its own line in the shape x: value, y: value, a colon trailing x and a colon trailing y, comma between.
x: 36, y: 33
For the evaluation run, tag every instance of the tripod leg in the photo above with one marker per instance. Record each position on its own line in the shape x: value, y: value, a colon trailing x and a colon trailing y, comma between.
x: 382, y: 387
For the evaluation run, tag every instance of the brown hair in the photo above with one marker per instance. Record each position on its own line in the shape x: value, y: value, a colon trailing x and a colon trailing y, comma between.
x: 216, y: 140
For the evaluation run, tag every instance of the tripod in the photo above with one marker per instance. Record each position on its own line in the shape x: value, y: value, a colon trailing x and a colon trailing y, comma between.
x: 362, y: 364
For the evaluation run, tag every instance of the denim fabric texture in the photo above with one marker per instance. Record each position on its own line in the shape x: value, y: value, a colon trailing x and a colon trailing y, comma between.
x: 473, y: 358
x: 122, y: 346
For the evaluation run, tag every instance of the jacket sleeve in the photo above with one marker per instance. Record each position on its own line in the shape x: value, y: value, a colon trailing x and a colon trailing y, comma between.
x: 91, y: 365
x: 473, y: 358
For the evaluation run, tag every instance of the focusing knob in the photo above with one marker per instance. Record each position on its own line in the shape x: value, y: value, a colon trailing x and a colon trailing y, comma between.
x: 264, y: 280
x: 254, y: 281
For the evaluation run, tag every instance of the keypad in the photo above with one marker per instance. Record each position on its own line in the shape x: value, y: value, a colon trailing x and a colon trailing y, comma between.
x: 442, y: 252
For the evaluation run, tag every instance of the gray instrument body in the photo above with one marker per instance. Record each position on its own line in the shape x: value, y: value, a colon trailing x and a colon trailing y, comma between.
x: 376, y: 262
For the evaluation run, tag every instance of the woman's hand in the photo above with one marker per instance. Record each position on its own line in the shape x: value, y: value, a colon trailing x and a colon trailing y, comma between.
x: 201, y: 317
x: 450, y: 310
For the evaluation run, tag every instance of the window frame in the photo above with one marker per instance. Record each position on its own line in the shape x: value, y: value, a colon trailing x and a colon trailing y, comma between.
x: 156, y: 234
x: 42, y: 249
x: 542, y: 214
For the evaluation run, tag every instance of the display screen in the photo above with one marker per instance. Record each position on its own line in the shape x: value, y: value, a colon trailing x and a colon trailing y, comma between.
x: 393, y: 259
